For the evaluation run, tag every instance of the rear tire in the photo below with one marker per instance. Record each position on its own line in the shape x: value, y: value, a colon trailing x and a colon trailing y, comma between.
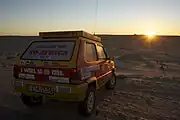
x: 87, y: 107
x: 111, y: 82
x: 31, y: 101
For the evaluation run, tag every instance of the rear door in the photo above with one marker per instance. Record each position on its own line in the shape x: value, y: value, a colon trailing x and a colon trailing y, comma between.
x: 91, y: 58
x: 49, y: 59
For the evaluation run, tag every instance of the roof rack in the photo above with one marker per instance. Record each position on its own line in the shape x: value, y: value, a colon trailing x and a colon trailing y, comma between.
x: 68, y: 34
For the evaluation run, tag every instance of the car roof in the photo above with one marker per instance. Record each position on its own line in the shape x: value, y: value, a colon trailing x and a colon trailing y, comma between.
x: 69, y: 34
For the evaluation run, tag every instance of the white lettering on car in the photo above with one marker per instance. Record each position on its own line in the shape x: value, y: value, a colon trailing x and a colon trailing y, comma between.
x: 30, y: 70
x: 57, y: 72
x: 29, y: 76
x: 88, y: 75
x: 27, y: 62
x: 21, y: 70
x: 39, y: 71
x: 45, y: 71
x: 22, y: 62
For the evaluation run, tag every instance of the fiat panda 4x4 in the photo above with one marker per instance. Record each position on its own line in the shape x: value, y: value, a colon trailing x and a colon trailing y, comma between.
x: 66, y: 66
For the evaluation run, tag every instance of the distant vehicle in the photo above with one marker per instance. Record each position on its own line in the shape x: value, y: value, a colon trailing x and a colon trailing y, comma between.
x: 67, y: 66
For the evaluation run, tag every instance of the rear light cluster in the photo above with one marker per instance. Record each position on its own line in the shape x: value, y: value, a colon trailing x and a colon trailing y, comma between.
x: 76, y: 77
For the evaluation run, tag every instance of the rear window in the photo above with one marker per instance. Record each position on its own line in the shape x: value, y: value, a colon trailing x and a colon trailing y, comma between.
x: 49, y: 50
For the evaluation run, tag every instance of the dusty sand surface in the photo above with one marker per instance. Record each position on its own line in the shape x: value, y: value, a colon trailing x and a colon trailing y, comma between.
x: 143, y: 92
x: 146, y: 92
x: 142, y: 99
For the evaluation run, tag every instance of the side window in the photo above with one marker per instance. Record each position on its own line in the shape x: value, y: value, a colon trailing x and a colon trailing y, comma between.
x: 101, y: 53
x: 90, y: 52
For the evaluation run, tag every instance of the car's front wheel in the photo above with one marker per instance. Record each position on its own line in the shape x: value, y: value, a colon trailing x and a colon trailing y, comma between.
x: 111, y: 82
x: 32, y: 101
x: 87, y: 107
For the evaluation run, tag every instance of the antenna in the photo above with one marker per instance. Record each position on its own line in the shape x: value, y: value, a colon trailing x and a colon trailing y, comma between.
x: 96, y: 12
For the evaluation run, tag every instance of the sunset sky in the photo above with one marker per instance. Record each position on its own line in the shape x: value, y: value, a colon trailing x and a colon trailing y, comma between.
x: 28, y: 17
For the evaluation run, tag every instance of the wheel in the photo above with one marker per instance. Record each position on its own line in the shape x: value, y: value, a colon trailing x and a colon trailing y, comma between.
x: 32, y: 101
x: 87, y: 107
x: 112, y: 82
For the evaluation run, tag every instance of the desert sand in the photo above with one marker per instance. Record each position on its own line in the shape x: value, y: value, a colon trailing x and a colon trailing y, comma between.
x: 143, y: 92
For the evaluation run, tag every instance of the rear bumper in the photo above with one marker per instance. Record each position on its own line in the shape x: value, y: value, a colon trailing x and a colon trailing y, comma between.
x: 63, y: 92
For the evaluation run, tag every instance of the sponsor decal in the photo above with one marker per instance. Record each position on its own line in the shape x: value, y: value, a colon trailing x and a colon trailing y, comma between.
x: 93, y: 68
x: 57, y: 73
x: 48, y: 53
x: 22, y: 62
x: 52, y: 46
x: 27, y: 62
x: 42, y: 71
x: 86, y: 72
x: 26, y: 76
x: 28, y: 70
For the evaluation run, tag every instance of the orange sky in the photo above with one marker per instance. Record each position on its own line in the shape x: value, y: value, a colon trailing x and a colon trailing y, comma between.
x: 28, y: 17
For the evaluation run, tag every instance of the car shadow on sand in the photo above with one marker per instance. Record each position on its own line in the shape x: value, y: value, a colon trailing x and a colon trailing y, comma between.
x: 51, y: 110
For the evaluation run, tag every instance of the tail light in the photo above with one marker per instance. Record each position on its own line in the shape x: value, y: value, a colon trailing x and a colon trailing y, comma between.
x: 73, y: 73
x: 75, y: 76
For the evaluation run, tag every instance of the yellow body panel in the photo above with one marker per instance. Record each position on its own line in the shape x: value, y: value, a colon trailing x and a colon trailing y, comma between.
x: 76, y: 93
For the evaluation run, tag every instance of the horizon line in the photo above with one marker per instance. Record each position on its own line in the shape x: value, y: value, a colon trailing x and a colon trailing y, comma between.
x: 178, y: 35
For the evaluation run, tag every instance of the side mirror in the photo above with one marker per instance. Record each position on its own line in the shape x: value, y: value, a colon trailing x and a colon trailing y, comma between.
x: 110, y: 58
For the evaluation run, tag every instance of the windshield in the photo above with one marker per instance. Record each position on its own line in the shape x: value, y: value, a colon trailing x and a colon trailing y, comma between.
x: 49, y: 50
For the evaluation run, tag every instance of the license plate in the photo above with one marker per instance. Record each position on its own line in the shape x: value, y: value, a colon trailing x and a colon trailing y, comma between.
x: 41, y: 89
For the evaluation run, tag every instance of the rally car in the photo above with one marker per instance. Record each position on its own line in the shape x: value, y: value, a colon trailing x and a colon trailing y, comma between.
x: 66, y: 66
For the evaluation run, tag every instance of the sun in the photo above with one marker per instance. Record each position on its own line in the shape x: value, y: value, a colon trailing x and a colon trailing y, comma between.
x: 150, y: 34
x: 151, y: 37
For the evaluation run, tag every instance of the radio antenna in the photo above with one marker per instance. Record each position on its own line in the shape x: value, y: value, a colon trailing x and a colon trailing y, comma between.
x: 96, y: 13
